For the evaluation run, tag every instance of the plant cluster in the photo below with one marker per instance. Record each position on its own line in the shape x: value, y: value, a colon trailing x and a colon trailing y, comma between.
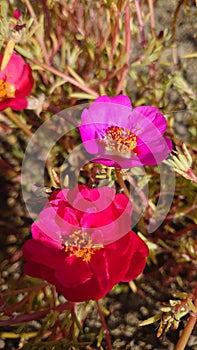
x: 110, y: 185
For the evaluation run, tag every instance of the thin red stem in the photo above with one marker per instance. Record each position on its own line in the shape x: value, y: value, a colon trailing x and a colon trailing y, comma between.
x: 106, y: 331
x: 152, y: 19
x: 183, y: 340
x: 35, y: 315
x: 40, y: 36
x: 141, y: 23
x: 65, y: 77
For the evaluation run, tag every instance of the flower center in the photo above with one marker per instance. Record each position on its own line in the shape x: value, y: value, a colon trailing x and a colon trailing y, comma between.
x: 120, y: 140
x: 80, y: 245
x: 6, y: 90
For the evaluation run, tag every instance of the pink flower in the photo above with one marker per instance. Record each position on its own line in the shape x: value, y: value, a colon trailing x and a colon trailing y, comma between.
x: 16, y: 82
x: 122, y: 137
x: 17, y: 14
x: 71, y: 249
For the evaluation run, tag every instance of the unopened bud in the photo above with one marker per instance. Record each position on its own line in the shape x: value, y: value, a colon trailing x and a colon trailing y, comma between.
x: 181, y: 162
x: 17, y: 14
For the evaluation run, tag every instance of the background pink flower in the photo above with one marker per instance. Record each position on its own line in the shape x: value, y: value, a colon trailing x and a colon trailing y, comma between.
x: 122, y: 137
x: 80, y: 269
x: 17, y: 14
x: 16, y: 82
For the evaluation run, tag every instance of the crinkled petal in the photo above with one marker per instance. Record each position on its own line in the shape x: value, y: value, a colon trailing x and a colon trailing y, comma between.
x: 49, y: 256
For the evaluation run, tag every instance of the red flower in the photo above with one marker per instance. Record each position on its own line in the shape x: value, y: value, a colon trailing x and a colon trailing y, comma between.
x: 16, y: 82
x: 69, y: 246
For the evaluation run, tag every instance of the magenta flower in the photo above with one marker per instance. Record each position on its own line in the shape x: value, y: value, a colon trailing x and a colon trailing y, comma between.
x: 17, y: 14
x: 121, y: 137
x: 16, y: 83
x: 69, y: 247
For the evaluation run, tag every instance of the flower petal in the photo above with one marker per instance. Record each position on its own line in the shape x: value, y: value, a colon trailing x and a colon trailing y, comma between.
x: 120, y: 99
x: 15, y: 103
x: 145, y: 126
x: 52, y: 256
x: 152, y: 113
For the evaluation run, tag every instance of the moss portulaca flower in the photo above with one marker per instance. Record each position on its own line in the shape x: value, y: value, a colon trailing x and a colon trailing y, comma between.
x: 83, y: 244
x: 16, y: 83
x: 122, y: 137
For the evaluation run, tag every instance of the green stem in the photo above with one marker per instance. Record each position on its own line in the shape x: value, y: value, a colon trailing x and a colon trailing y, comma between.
x: 106, y: 331
x: 15, y: 119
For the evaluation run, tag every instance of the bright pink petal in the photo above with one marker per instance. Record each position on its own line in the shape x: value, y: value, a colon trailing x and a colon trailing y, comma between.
x: 90, y: 200
x: 154, y: 153
x: 146, y: 123
x: 55, y: 226
x: 120, y: 99
x: 106, y: 114
x: 152, y: 113
x: 14, y: 69
x: 39, y: 235
x: 17, y: 14
x: 18, y: 74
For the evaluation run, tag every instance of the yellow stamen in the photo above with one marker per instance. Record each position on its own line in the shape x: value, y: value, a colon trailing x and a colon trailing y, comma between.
x: 120, y: 140
x: 7, y: 90
x: 80, y: 245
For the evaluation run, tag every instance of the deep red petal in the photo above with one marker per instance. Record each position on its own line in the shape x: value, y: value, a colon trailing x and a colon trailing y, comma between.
x: 15, y: 103
x: 25, y: 84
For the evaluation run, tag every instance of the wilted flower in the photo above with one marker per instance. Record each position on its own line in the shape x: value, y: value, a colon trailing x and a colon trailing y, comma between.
x: 71, y: 243
x: 16, y: 82
x: 122, y: 137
